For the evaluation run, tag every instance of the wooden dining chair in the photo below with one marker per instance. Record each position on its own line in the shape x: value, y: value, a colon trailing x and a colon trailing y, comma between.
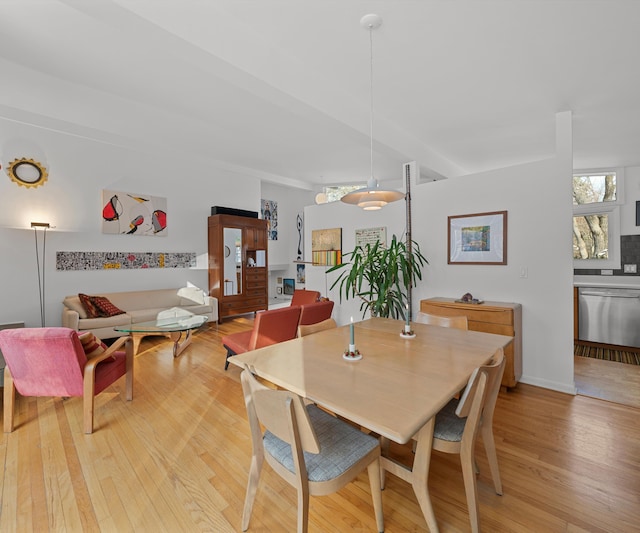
x: 308, y: 329
x: 459, y: 322
x: 459, y: 422
x: 269, y: 327
x: 304, y: 296
x: 309, y: 448
x: 315, y: 312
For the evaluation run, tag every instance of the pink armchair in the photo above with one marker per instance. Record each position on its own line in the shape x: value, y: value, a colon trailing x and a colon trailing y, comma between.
x: 52, y: 362
x: 269, y: 327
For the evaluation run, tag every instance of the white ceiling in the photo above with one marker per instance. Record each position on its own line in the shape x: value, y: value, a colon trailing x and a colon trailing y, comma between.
x: 282, y: 87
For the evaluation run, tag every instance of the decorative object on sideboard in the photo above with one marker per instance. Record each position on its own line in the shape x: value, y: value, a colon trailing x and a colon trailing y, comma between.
x: 372, y: 196
x: 477, y: 239
x: 27, y: 172
x: 467, y: 298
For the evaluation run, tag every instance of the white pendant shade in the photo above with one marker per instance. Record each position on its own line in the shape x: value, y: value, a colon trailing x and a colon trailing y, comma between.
x: 372, y: 197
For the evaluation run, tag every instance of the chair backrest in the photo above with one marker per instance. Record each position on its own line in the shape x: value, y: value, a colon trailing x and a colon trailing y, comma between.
x: 274, y: 325
x: 281, y: 412
x: 493, y: 372
x: 471, y: 405
x: 315, y: 328
x: 316, y: 312
x: 459, y: 322
x: 303, y: 296
x: 44, y: 361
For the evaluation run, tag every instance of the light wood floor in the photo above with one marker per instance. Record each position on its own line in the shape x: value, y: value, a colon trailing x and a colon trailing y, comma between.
x: 176, y: 459
x: 608, y: 380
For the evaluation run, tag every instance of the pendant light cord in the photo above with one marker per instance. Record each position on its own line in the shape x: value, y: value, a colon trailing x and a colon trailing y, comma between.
x: 371, y: 98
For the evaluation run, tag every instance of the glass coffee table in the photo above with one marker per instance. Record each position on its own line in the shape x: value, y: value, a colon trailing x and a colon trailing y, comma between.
x: 171, y: 323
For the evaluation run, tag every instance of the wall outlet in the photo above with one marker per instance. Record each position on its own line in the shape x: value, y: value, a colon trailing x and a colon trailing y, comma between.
x: 606, y: 272
x: 630, y: 269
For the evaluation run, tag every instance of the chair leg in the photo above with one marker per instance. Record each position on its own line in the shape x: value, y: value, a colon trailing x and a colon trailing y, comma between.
x: 88, y: 401
x: 385, y: 443
x: 252, y: 487
x: 470, y: 488
x: 229, y: 354
x: 490, y: 448
x: 9, y: 399
x: 129, y: 350
x: 375, y: 482
x: 303, y: 509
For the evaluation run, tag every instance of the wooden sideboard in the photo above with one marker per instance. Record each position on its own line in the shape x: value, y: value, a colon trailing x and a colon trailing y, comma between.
x: 490, y: 317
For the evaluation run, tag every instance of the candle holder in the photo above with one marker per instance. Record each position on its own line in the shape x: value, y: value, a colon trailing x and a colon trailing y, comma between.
x: 407, y: 332
x: 352, y: 354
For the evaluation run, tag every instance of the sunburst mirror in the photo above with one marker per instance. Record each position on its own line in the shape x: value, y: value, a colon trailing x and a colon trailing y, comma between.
x: 27, y: 172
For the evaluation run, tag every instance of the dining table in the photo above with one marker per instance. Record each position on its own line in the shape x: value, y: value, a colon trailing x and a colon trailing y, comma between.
x: 395, y: 389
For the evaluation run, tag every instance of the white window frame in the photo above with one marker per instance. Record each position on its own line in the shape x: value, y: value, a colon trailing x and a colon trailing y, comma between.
x: 612, y: 209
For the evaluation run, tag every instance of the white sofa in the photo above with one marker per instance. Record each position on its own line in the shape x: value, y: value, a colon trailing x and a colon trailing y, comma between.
x: 139, y: 306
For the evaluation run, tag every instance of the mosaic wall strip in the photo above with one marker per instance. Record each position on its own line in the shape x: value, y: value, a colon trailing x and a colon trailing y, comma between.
x: 123, y: 260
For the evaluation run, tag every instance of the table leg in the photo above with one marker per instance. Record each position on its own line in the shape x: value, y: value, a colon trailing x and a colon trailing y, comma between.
x: 136, y: 342
x: 178, y: 347
x: 418, y: 476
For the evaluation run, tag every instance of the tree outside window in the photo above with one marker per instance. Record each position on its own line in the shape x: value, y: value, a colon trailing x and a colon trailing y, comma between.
x: 595, y: 199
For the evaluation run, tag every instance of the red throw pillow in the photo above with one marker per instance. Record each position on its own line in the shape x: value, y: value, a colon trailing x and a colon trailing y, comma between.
x: 89, y: 306
x: 91, y: 344
x: 105, y: 307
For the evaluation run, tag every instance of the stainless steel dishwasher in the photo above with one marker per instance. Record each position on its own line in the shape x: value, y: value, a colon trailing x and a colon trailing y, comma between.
x: 609, y: 315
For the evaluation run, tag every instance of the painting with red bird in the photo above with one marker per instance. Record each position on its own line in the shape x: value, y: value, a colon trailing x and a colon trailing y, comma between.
x: 133, y: 214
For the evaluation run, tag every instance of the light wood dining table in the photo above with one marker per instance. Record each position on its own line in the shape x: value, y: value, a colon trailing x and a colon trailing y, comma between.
x: 395, y: 390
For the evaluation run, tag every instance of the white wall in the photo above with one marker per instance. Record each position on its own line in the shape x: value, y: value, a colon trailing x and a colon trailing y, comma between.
x: 631, y: 195
x: 79, y: 169
x: 284, y: 250
x: 537, y: 197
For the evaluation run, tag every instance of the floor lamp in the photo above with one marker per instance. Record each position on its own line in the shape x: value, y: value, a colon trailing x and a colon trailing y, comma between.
x: 41, y: 271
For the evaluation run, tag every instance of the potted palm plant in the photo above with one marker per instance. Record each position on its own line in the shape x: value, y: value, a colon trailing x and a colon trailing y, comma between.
x: 380, y: 276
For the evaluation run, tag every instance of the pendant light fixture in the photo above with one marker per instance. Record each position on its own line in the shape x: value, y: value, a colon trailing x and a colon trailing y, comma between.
x: 372, y: 196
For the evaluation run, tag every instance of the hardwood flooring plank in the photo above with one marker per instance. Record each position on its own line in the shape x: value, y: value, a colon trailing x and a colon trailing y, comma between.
x: 176, y: 458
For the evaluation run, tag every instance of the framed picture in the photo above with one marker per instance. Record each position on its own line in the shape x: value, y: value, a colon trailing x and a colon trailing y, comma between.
x: 478, y: 239
x: 326, y: 246
x: 289, y: 285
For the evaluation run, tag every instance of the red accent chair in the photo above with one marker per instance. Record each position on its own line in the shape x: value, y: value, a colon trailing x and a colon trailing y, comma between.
x: 303, y: 297
x: 316, y: 312
x: 52, y: 362
x: 270, y: 327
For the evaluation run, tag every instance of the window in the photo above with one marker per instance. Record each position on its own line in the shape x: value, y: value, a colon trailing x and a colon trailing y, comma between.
x: 334, y: 193
x: 596, y: 219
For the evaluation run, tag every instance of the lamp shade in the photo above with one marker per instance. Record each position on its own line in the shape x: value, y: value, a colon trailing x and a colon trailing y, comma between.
x: 372, y: 197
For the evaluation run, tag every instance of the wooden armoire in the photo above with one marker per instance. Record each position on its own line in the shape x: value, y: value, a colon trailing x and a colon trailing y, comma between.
x: 238, y: 264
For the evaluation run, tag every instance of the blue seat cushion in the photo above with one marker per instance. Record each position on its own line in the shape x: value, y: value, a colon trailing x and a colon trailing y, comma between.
x: 341, y: 446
